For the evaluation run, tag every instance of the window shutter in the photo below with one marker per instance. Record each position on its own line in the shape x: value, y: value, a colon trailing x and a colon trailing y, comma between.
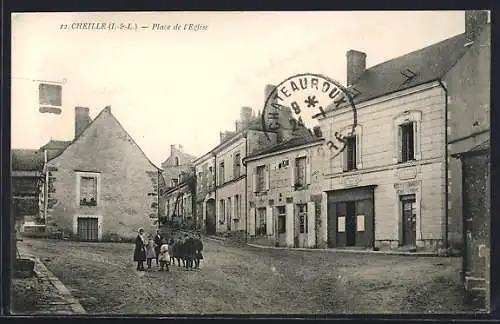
x: 311, y: 224
x: 344, y: 159
x: 399, y: 141
x: 269, y: 220
x: 292, y: 172
x: 254, y: 179
x: 358, y: 151
x: 415, y: 139
x: 267, y: 176
x: 251, y: 222
x: 308, y: 170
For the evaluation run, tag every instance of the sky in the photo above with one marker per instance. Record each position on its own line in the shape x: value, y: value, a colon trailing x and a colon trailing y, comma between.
x: 180, y: 87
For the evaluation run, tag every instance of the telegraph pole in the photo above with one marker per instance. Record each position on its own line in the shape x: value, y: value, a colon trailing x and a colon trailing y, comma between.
x: 46, y: 187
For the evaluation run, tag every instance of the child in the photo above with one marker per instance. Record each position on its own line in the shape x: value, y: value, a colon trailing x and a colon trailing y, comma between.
x: 150, y: 251
x: 164, y: 256
x: 171, y: 251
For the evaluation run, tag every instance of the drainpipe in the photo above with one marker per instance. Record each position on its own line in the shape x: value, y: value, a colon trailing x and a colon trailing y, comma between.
x: 246, y: 193
x: 445, y: 245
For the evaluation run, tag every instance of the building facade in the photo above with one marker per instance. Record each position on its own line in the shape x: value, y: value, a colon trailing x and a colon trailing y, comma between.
x: 177, y: 163
x: 179, y: 203
x: 205, y: 192
x: 104, y: 187
x: 284, y: 193
x: 468, y: 86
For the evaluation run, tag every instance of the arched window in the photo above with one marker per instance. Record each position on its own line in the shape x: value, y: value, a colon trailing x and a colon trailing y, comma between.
x: 176, y: 160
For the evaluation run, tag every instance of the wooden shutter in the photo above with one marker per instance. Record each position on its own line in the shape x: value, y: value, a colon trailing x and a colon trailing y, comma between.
x: 269, y: 220
x: 344, y: 158
x: 308, y: 170
x: 251, y: 222
x: 267, y: 176
x: 292, y: 172
x: 254, y: 180
x: 358, y: 151
x: 290, y: 225
x: 415, y: 139
x: 399, y: 142
x: 311, y: 224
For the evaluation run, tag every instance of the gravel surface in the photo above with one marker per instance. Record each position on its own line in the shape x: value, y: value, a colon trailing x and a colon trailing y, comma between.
x: 254, y: 281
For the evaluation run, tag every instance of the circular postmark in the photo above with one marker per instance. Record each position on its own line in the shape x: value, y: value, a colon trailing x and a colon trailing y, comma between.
x: 302, y: 99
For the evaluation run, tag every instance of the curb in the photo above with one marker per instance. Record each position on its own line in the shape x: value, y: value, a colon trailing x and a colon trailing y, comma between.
x: 430, y: 254
x: 75, y: 305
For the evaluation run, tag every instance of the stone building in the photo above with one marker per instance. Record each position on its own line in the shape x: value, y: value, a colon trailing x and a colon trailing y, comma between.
x: 179, y: 202
x: 284, y: 194
x: 396, y: 183
x: 177, y: 162
x: 222, y: 176
x: 468, y: 85
x: 476, y: 202
x: 103, y: 185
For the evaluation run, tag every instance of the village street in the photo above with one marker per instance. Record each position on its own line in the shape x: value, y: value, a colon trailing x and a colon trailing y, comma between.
x: 247, y: 280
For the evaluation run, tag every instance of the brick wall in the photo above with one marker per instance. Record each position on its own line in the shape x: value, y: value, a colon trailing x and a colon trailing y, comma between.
x: 126, y: 183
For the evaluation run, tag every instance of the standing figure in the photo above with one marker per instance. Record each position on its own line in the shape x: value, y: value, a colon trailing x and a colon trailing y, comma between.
x: 198, y: 244
x: 164, y: 256
x: 158, y: 242
x: 150, y: 251
x: 179, y: 251
x: 189, y: 251
x: 171, y: 251
x: 140, y: 250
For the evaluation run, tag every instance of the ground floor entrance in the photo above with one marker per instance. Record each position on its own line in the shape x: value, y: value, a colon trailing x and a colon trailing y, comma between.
x: 351, y: 217
x: 88, y: 229
x: 210, y: 224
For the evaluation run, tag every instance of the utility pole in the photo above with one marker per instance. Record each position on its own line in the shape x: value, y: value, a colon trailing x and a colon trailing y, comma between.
x: 46, y: 187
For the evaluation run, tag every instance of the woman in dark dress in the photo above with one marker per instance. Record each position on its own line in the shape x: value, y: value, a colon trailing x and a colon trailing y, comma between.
x: 140, y: 250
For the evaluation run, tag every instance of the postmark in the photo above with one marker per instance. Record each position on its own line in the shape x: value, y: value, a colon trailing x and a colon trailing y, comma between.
x: 301, y: 99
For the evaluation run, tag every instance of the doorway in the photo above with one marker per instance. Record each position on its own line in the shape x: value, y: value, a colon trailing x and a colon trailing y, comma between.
x: 210, y: 217
x: 281, y: 231
x: 350, y: 223
x: 88, y: 229
x: 409, y: 219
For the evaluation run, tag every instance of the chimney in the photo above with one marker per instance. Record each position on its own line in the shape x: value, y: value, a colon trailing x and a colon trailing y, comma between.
x: 356, y: 65
x: 172, y: 149
x: 268, y: 90
x: 245, y: 117
x: 180, y: 148
x: 82, y: 120
x: 475, y: 20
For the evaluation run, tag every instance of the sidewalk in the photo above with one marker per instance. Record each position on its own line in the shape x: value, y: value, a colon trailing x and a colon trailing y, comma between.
x: 42, y: 294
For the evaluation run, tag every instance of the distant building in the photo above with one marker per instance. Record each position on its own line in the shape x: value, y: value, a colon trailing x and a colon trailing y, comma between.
x: 175, y: 164
x: 103, y: 185
x: 179, y: 202
x: 284, y: 193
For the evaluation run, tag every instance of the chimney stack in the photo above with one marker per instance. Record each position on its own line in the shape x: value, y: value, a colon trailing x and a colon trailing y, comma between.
x: 475, y: 20
x: 172, y: 149
x: 268, y: 90
x: 356, y: 65
x: 82, y: 120
x: 180, y: 148
x: 245, y: 118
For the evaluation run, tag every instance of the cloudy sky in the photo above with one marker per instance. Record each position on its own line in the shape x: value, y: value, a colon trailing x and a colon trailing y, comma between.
x: 184, y: 87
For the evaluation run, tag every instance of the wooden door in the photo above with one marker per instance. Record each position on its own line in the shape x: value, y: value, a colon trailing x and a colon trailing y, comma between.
x: 350, y: 226
x: 88, y: 229
x: 409, y: 218
x: 210, y: 217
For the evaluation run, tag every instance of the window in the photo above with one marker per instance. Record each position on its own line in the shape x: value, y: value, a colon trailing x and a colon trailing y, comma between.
x: 228, y: 208
x: 88, y: 191
x: 222, y: 211
x: 302, y: 213
x: 350, y: 152
x: 407, y: 142
x: 237, y: 206
x: 221, y: 173
x: 176, y: 161
x: 175, y: 182
x: 237, y: 168
x: 260, y: 228
x: 261, y: 181
x: 300, y: 172
x: 281, y: 219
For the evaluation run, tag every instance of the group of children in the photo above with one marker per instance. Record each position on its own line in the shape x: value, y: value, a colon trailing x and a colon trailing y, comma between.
x: 187, y: 250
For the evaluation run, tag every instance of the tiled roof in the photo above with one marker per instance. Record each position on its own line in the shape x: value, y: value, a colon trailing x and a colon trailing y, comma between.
x: 484, y: 146
x: 427, y: 64
x: 26, y: 160
x: 56, y: 145
x: 291, y: 143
